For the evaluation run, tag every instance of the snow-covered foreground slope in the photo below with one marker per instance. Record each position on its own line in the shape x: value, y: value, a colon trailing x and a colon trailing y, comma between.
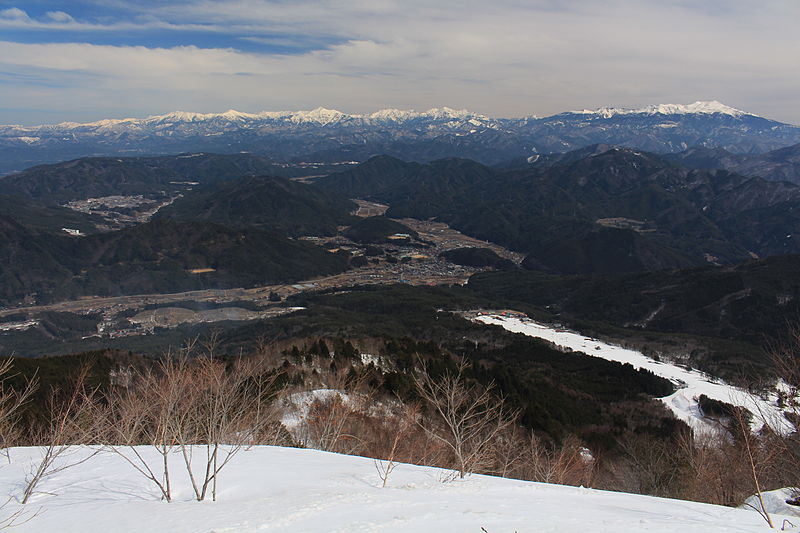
x: 690, y: 383
x: 307, y: 491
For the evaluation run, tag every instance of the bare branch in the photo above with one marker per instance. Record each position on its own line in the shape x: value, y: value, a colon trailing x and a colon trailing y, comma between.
x: 469, y: 417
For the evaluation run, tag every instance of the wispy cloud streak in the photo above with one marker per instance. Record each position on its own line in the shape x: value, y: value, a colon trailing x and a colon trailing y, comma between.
x: 504, y: 58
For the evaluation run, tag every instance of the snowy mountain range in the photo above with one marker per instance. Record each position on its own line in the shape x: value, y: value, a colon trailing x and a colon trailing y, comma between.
x: 329, y: 135
x: 315, y: 117
x: 439, y: 118
x: 697, y: 108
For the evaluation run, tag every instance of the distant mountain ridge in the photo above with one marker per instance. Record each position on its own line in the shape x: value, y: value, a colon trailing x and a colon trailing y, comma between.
x: 331, y: 135
x: 324, y: 116
x: 320, y: 115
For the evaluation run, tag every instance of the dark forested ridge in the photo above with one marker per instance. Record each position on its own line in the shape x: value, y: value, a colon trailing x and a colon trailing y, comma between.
x: 375, y: 230
x: 734, y: 312
x: 616, y: 210
x: 781, y: 164
x: 271, y: 203
x: 150, y: 258
x: 478, y: 257
x: 748, y: 301
x: 105, y: 176
x: 34, y: 214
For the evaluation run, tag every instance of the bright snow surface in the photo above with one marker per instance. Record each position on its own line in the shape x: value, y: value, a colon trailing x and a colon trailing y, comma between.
x: 697, y: 108
x: 690, y: 383
x: 307, y: 491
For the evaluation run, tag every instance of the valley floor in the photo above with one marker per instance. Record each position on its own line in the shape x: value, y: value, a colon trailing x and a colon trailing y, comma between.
x: 297, y: 490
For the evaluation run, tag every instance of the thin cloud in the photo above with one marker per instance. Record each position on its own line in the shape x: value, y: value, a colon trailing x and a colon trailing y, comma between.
x: 507, y: 58
x: 62, y: 21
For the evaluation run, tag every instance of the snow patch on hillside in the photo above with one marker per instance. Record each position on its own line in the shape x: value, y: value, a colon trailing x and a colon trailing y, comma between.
x: 690, y: 383
x: 298, y: 405
x: 775, y: 503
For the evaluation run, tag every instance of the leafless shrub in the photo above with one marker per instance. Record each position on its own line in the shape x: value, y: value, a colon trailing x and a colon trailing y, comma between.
x: 201, y: 408
x: 17, y: 518
x: 522, y: 454
x: 229, y: 412
x: 335, y: 415
x: 786, y: 360
x: 567, y: 463
x: 715, y: 469
x: 326, y: 424
x: 757, y: 457
x: 12, y: 400
x: 72, y: 423
x: 150, y: 412
x: 647, y: 465
x: 466, y: 417
x: 508, y: 453
x: 403, y: 424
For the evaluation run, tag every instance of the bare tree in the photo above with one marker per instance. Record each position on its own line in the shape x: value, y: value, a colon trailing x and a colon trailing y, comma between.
x: 509, y: 451
x: 228, y: 412
x: 649, y: 465
x: 755, y: 460
x: 467, y: 417
x: 771, y: 456
x: 402, y: 426
x: 212, y: 343
x: 12, y: 400
x: 72, y: 423
x: 333, y: 416
x: 565, y: 464
x: 786, y: 360
x: 153, y: 411
x: 326, y: 424
x: 201, y: 409
x: 715, y: 471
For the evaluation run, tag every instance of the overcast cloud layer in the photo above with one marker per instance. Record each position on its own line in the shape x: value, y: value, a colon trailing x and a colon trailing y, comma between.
x: 89, y: 59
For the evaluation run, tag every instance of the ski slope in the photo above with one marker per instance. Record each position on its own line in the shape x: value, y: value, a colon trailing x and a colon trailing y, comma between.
x: 690, y: 383
x: 288, y: 490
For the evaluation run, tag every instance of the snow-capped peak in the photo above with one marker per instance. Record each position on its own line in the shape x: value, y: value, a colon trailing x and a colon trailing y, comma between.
x: 697, y: 108
x: 232, y: 114
x: 180, y: 116
x: 446, y: 112
x: 395, y: 115
x: 97, y: 124
x: 319, y: 115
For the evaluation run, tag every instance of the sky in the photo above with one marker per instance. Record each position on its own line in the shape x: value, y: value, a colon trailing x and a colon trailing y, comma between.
x: 85, y: 60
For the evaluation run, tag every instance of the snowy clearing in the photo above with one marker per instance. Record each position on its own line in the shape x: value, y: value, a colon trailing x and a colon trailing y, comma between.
x: 295, y: 490
x: 690, y: 383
